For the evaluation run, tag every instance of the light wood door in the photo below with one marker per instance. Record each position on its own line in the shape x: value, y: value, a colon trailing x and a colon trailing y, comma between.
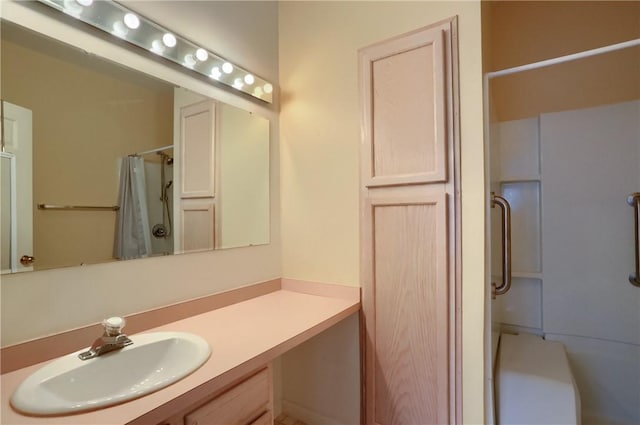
x: 410, y: 229
x: 403, y: 90
x: 407, y: 308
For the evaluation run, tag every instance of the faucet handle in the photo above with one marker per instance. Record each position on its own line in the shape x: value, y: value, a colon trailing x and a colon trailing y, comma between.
x: 113, y: 325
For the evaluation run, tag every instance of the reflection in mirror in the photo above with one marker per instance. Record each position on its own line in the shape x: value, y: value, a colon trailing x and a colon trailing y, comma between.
x: 244, y: 177
x: 7, y: 212
x: 119, y: 21
x: 106, y: 149
x: 144, y: 225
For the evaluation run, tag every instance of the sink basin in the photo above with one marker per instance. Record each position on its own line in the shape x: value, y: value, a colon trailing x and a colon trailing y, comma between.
x: 70, y: 385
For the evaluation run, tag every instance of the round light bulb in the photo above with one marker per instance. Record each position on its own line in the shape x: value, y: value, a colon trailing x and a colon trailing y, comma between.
x: 72, y: 8
x: 258, y: 92
x: 157, y: 47
x: 119, y: 30
x: 227, y: 68
x: 268, y: 88
x: 215, y: 73
x: 249, y: 79
x: 189, y: 60
x: 169, y: 40
x: 85, y: 3
x: 131, y: 21
x: 237, y: 83
x: 202, y: 55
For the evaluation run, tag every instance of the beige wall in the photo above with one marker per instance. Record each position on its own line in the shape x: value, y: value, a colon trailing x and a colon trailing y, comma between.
x: 39, y: 303
x: 521, y: 32
x: 82, y: 124
x: 320, y: 134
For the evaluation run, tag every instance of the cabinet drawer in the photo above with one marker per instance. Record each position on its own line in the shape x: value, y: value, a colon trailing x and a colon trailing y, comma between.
x: 237, y: 406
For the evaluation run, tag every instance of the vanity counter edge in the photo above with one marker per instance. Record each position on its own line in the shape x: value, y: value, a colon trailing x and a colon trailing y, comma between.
x: 243, y: 337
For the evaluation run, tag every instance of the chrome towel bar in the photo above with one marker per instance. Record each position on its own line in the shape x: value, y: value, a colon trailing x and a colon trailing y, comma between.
x: 506, y: 245
x: 77, y: 207
x: 634, y: 201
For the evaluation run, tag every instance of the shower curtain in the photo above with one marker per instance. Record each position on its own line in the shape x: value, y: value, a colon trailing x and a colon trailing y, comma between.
x: 133, y: 238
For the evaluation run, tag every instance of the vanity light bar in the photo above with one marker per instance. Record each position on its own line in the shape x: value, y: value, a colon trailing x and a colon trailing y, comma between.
x: 123, y: 23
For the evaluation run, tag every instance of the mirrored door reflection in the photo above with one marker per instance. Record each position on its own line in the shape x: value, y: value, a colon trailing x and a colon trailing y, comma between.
x: 17, y: 148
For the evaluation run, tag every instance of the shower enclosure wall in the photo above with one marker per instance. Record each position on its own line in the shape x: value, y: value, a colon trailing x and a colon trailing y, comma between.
x: 567, y: 176
x: 159, y: 191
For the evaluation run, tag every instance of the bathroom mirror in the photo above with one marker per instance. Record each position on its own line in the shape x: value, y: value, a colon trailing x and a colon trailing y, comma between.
x: 73, y: 121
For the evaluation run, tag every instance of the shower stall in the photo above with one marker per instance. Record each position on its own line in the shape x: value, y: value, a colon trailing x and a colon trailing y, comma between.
x: 159, y: 193
x: 144, y: 224
x: 569, y: 177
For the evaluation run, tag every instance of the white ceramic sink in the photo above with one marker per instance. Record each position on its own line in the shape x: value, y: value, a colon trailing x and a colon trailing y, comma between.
x: 70, y: 385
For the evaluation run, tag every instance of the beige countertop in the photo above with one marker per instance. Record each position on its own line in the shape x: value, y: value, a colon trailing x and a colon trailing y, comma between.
x: 242, y: 336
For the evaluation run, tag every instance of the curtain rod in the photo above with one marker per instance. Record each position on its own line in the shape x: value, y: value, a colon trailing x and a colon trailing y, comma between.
x: 164, y: 148
x: 563, y: 59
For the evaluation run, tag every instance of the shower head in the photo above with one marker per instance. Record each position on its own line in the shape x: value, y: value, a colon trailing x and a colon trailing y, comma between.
x: 165, y: 158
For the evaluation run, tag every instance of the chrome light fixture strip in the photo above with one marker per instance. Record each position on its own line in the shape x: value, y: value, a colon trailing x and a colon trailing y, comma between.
x: 127, y: 25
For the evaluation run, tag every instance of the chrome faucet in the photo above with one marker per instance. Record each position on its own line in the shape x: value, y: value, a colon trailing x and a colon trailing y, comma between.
x: 112, y: 339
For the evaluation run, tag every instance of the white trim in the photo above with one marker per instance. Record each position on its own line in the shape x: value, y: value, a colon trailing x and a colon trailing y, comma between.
x: 489, y: 401
x: 563, y: 59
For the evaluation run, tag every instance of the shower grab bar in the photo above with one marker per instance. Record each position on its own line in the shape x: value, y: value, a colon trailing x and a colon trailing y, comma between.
x: 76, y: 207
x: 634, y: 201
x: 506, y: 245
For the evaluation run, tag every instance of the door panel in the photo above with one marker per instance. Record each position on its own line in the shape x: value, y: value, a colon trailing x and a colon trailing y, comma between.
x: 197, y: 132
x: 410, y: 267
x: 408, y: 261
x: 404, y: 96
x: 197, y: 225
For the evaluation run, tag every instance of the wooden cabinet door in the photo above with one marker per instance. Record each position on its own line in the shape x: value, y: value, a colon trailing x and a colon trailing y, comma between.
x: 247, y: 401
x: 403, y: 106
x: 406, y: 297
x: 410, y: 243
